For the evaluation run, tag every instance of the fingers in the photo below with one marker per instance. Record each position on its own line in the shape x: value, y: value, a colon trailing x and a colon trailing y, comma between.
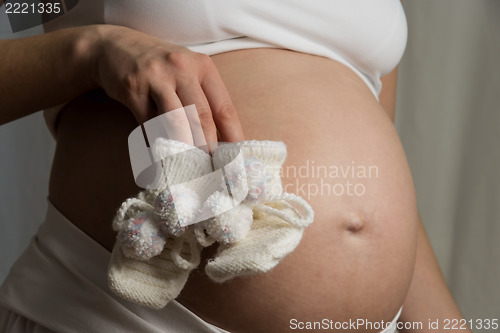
x: 201, y: 119
x: 223, y: 111
x: 172, y: 121
x: 196, y: 127
x: 142, y: 107
x: 184, y: 79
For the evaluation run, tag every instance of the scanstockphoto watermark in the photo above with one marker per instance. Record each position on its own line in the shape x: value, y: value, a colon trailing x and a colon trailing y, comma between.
x: 312, y: 179
x: 352, y: 324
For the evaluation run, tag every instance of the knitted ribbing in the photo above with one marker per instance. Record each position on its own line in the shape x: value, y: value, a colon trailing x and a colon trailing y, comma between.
x: 178, y: 163
x: 256, y: 154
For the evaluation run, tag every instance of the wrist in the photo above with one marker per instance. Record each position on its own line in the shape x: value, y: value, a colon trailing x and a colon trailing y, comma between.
x: 85, y: 51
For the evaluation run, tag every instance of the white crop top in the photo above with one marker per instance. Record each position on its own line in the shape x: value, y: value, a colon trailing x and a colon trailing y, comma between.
x: 367, y: 36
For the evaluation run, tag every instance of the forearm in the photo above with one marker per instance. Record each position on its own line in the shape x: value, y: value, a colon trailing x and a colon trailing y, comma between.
x: 429, y: 297
x: 42, y: 71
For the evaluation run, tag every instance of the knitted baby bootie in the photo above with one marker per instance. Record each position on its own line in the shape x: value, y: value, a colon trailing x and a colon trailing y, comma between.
x: 156, y: 281
x: 278, y: 219
x: 276, y: 231
x: 156, y: 247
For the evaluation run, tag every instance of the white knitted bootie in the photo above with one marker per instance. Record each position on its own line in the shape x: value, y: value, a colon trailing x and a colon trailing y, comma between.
x: 276, y: 231
x: 156, y: 247
x: 279, y: 219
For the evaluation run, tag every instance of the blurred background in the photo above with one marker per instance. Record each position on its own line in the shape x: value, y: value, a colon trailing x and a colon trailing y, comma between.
x: 448, y: 117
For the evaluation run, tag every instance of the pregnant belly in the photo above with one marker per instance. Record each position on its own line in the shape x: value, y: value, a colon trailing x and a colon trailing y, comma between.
x: 344, y: 157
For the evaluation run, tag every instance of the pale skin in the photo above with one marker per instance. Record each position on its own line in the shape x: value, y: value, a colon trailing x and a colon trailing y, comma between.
x: 383, y: 264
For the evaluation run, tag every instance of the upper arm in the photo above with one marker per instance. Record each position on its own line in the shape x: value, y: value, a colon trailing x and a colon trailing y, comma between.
x: 387, y: 96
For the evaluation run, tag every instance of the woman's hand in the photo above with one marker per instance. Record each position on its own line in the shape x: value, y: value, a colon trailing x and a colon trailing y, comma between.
x: 152, y: 77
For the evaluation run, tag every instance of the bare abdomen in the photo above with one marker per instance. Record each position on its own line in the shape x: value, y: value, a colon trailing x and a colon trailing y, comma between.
x: 344, y: 157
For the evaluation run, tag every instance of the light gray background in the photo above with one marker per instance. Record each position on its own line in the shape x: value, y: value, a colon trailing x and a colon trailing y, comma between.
x: 448, y: 116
